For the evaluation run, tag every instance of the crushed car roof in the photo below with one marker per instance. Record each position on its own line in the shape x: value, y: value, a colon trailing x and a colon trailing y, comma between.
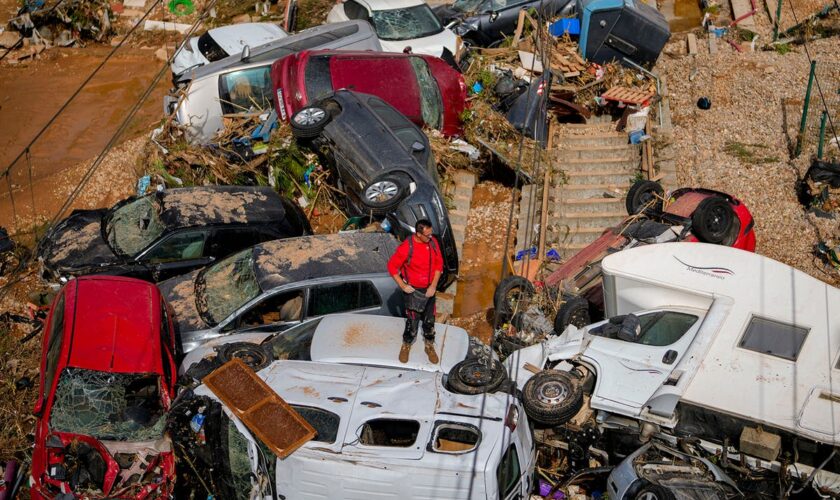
x: 280, y: 262
x: 185, y: 207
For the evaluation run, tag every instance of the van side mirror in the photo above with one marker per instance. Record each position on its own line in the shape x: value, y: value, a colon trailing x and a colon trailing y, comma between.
x: 246, y: 53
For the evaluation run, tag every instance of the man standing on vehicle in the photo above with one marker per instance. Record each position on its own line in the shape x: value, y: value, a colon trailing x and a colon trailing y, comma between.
x: 416, y: 266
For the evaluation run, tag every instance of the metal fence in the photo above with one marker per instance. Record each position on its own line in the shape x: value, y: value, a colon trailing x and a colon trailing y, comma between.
x: 819, y: 127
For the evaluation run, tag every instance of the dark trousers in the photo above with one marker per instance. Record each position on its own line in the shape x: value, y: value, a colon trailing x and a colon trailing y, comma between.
x: 414, y: 318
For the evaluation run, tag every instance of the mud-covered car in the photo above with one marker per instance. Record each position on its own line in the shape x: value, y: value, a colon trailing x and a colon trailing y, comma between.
x: 383, y: 162
x: 167, y: 233
x: 384, y: 429
x: 107, y: 379
x: 277, y: 284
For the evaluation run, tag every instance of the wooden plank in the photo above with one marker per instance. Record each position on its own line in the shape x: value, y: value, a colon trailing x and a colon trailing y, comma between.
x: 741, y: 8
x: 520, y: 25
x: 692, y: 44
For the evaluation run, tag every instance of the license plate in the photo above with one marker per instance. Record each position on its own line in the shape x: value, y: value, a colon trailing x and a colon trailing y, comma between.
x: 281, y: 106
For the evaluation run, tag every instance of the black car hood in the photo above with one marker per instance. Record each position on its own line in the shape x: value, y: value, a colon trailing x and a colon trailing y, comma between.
x: 77, y: 243
x: 180, y: 293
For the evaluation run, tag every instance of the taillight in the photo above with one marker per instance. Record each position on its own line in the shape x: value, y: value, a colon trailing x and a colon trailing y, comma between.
x: 512, y: 417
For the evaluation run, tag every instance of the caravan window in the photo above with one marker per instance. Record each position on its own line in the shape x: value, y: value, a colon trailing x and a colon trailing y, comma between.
x: 774, y: 338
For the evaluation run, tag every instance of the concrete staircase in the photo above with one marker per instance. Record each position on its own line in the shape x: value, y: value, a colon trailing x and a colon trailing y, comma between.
x: 461, y: 196
x: 592, y: 168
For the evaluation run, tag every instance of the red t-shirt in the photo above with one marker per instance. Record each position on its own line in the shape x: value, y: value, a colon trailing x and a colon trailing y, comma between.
x: 425, y: 260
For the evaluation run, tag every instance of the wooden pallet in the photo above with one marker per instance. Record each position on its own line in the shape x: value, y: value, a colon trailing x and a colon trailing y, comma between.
x: 628, y: 95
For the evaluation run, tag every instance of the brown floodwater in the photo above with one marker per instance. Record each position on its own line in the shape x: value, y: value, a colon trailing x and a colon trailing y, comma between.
x: 682, y: 15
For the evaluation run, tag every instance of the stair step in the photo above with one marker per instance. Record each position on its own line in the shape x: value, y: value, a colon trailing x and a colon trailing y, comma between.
x: 588, y: 126
x: 618, y: 177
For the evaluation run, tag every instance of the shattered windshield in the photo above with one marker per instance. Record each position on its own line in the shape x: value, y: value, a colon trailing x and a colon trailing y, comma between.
x: 430, y: 101
x: 467, y: 5
x: 224, y: 287
x: 405, y: 24
x: 134, y: 226
x: 108, y: 406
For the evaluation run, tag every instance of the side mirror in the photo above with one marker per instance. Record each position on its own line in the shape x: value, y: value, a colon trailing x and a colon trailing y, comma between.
x: 493, y: 15
x: 418, y: 146
x: 246, y: 53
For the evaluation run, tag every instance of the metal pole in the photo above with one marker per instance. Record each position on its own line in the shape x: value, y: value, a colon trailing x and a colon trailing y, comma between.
x: 805, y: 106
x: 778, y: 21
x: 822, y: 135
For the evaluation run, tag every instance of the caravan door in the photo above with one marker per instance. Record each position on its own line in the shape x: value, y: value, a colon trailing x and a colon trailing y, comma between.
x: 630, y: 372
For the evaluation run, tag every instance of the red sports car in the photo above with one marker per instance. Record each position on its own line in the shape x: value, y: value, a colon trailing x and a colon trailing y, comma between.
x: 107, y: 380
x: 424, y: 88
x: 686, y: 214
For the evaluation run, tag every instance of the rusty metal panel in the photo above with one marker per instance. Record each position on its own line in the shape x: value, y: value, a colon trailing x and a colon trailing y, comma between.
x: 262, y: 410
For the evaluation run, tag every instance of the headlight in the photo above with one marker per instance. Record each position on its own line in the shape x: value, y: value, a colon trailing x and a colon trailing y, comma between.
x: 436, y: 201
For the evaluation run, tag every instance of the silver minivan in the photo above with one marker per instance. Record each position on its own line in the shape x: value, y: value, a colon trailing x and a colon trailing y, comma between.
x: 240, y: 85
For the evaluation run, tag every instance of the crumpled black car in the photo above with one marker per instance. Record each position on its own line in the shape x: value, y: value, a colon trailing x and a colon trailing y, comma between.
x: 167, y: 233
x: 383, y: 163
x: 487, y: 22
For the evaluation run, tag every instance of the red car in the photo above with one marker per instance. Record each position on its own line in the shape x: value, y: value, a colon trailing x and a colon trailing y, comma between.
x: 423, y: 88
x: 687, y: 214
x: 107, y: 380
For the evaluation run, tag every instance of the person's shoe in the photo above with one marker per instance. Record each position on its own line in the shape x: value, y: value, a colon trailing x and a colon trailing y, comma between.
x: 430, y: 352
x: 404, y: 351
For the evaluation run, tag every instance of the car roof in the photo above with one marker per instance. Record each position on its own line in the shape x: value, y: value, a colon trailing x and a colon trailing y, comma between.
x: 376, y: 340
x: 198, y: 206
x: 291, y: 260
x: 116, y: 325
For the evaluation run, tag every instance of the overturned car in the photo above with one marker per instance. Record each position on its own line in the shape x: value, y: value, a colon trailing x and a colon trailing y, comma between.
x: 728, y: 349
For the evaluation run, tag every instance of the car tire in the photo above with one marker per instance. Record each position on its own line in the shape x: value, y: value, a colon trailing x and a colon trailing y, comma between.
x: 654, y: 492
x: 255, y: 356
x: 384, y: 194
x: 474, y: 376
x: 552, y: 397
x: 309, y: 122
x: 574, y: 311
x: 512, y: 288
x: 644, y: 194
x: 712, y: 220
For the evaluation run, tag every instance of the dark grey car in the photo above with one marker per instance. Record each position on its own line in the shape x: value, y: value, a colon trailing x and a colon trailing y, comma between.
x: 486, y: 22
x: 278, y: 284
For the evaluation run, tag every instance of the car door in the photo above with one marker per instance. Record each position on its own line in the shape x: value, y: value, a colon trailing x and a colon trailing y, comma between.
x: 630, y: 372
x: 177, y: 253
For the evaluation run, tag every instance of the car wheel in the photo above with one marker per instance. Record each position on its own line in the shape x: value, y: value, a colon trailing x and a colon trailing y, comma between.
x: 644, y: 194
x: 309, y: 122
x: 654, y: 492
x: 511, y: 295
x: 574, y: 311
x: 712, y: 220
x: 552, y: 397
x: 475, y: 376
x: 255, y: 356
x: 384, y: 194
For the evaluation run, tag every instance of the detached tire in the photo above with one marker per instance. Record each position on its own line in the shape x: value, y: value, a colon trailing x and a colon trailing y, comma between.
x: 510, y: 292
x: 654, y: 492
x: 644, y: 194
x: 712, y: 220
x: 384, y: 194
x: 574, y: 311
x: 474, y: 376
x: 255, y: 356
x: 552, y: 397
x: 309, y: 122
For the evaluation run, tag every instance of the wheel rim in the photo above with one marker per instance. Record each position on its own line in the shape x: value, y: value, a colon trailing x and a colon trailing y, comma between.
x: 552, y: 393
x: 579, y: 318
x: 515, y: 297
x: 250, y: 357
x: 718, y: 221
x: 476, y: 374
x: 648, y: 496
x: 310, y: 116
x: 381, y: 191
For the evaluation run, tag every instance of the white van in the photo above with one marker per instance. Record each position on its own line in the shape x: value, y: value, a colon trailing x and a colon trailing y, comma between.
x: 385, y: 430
x: 702, y: 340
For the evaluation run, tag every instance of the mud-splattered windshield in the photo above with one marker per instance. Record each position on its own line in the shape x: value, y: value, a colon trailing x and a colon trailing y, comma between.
x: 134, y: 226
x: 226, y: 286
x: 404, y: 24
x: 469, y: 5
x: 108, y: 406
x: 430, y: 101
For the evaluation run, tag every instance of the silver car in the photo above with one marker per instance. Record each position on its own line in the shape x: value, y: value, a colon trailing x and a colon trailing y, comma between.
x: 240, y: 85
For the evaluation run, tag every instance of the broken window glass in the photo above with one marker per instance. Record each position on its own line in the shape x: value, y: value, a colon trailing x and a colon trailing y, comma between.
x: 774, y: 338
x: 405, y: 24
x: 318, y: 78
x: 430, y: 101
x: 108, y: 406
x: 134, y: 226
x: 470, y: 6
x: 240, y: 461
x: 225, y: 287
x: 294, y: 343
x: 389, y: 432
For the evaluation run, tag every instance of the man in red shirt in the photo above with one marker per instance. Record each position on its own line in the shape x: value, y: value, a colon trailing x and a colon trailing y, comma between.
x: 416, y: 266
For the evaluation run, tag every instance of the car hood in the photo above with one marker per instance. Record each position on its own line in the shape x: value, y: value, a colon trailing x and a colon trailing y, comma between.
x: 180, y: 293
x: 77, y: 243
x: 431, y: 45
x: 185, y: 59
